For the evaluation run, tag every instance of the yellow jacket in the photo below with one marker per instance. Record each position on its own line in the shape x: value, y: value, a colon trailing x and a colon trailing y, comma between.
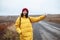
x: 26, y: 26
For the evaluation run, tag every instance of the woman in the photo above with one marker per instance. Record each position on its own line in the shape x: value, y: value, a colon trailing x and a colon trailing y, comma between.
x: 25, y: 29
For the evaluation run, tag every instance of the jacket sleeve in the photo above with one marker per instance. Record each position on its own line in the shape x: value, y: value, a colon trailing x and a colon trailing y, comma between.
x: 36, y: 19
x: 17, y: 25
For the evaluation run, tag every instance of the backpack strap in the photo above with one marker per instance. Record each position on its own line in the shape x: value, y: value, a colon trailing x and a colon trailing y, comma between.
x: 19, y: 21
x: 29, y: 19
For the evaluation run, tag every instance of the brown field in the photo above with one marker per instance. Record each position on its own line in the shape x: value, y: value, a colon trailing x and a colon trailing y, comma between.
x: 53, y: 18
x: 9, y: 20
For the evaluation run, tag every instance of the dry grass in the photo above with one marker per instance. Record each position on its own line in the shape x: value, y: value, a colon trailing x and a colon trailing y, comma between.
x: 7, y: 31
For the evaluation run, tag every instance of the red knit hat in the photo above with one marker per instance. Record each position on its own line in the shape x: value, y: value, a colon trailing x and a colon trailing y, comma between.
x: 24, y: 9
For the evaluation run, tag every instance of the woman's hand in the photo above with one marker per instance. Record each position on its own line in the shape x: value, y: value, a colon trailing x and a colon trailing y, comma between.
x: 44, y: 15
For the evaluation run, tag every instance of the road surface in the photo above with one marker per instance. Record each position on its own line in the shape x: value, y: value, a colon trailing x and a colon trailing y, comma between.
x: 46, y: 31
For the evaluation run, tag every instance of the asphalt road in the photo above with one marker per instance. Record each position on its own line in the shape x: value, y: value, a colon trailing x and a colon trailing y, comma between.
x: 46, y: 31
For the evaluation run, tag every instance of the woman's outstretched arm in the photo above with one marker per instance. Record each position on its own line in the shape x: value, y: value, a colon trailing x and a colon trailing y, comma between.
x: 36, y: 19
x: 17, y: 25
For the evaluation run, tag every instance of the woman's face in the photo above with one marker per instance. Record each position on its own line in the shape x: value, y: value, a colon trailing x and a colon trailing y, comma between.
x: 24, y: 12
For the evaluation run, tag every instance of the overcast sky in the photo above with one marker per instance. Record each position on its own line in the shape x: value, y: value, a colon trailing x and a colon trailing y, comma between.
x: 14, y: 7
